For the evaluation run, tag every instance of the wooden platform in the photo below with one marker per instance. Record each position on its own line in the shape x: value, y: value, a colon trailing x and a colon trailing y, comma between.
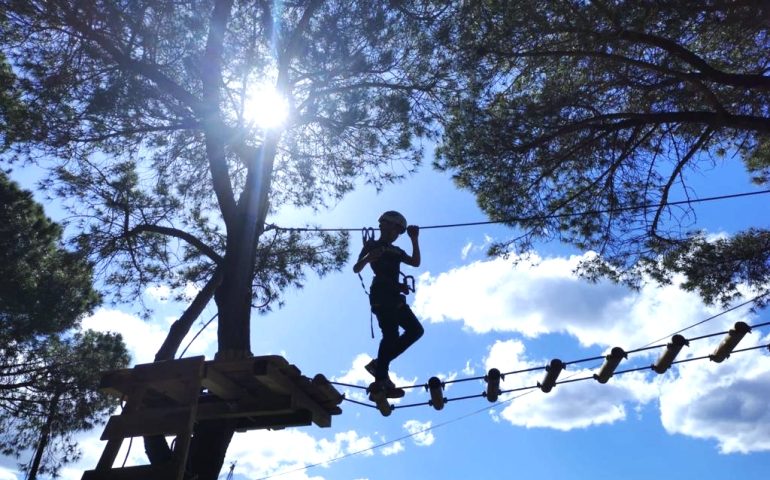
x: 167, y: 398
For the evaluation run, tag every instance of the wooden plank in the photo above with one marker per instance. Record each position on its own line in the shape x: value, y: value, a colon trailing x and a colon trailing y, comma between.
x: 182, y: 447
x: 112, y: 380
x: 165, y: 471
x: 155, y: 421
x: 109, y: 453
x: 189, y: 368
x: 298, y: 418
x: 244, y: 367
x: 177, y: 391
x: 124, y: 381
x: 246, y: 409
x: 271, y: 375
x: 221, y: 385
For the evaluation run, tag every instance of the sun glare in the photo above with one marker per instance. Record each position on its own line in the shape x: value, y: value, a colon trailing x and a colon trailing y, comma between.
x: 265, y: 107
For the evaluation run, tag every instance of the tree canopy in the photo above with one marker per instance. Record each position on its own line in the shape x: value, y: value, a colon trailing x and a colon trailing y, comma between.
x: 44, y: 288
x: 145, y: 129
x: 49, y: 368
x: 49, y: 392
x: 576, y: 116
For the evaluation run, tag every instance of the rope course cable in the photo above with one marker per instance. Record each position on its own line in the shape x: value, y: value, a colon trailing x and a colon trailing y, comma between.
x: 526, y: 390
x: 582, y: 360
x: 536, y: 386
x: 552, y: 216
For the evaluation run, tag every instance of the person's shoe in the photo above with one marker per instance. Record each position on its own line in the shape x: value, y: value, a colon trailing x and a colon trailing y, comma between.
x: 371, y: 367
x: 384, y: 388
x: 376, y: 392
x: 390, y: 389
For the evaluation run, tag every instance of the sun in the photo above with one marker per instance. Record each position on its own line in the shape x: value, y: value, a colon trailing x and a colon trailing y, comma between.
x: 265, y: 107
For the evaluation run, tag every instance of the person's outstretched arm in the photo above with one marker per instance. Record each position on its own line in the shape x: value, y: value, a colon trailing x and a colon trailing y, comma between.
x: 368, y: 257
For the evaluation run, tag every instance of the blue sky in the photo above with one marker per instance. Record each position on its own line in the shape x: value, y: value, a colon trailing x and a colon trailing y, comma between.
x: 699, y: 420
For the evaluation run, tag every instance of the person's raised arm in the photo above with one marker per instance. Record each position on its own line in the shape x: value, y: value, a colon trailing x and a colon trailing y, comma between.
x: 414, y: 234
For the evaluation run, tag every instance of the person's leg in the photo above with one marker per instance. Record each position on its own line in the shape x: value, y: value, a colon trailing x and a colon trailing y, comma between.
x: 386, y: 318
x: 412, y: 330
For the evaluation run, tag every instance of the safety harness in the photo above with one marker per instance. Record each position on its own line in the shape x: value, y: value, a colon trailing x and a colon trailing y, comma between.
x: 405, y: 286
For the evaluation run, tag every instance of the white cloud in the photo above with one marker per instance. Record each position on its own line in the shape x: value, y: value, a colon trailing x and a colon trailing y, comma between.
x: 191, y: 290
x: 421, y: 432
x: 725, y: 402
x: 6, y: 474
x: 263, y: 453
x: 569, y: 406
x: 163, y: 293
x: 466, y: 249
x: 544, y: 296
x: 392, y: 449
x: 471, y: 248
x: 143, y: 338
x: 580, y: 404
x: 92, y: 447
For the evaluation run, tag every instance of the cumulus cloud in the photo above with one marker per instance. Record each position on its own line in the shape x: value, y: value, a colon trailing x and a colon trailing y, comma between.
x: 143, y: 338
x: 543, y: 296
x: 163, y: 293
x: 566, y: 407
x: 92, y: 447
x: 392, y: 449
x: 724, y: 403
x: 263, y: 453
x: 6, y: 474
x: 421, y: 432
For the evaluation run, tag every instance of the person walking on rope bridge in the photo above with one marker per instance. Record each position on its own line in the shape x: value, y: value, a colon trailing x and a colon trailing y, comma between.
x: 387, y: 298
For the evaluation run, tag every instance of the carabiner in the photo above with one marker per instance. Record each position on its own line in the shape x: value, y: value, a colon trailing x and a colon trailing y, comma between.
x: 407, y: 283
x: 367, y: 235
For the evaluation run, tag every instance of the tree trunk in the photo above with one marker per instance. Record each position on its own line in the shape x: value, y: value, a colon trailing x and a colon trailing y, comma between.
x: 45, y: 437
x: 156, y: 447
x: 209, y: 447
x: 233, y: 298
x: 234, y: 294
x: 181, y: 327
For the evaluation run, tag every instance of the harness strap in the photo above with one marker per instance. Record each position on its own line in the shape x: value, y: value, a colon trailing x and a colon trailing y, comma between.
x: 367, y: 235
x: 371, y: 322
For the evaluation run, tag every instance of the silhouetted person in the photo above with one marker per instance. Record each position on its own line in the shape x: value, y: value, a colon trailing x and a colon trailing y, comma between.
x: 387, y: 298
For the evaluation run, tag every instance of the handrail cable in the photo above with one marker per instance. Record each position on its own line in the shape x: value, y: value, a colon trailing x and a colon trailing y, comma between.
x: 536, y: 217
